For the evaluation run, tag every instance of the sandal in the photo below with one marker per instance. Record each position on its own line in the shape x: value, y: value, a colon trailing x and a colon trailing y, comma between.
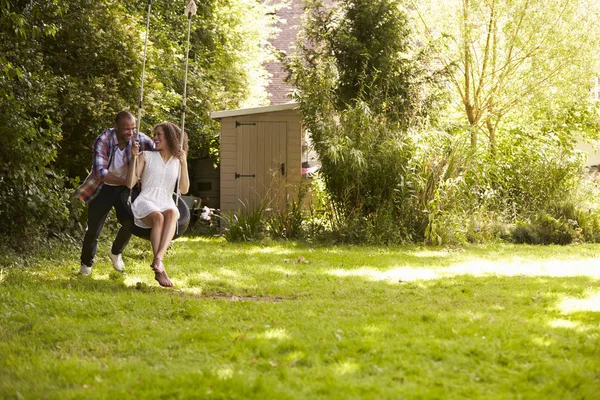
x: 160, y: 274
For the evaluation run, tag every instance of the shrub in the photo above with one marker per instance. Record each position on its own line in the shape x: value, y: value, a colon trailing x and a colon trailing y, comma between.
x: 589, y: 223
x: 381, y: 227
x: 246, y: 224
x: 389, y: 175
x: 528, y: 174
x: 360, y: 87
x: 545, y: 229
x: 288, y: 223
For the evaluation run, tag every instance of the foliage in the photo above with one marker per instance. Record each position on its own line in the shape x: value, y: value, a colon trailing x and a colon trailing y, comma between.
x: 250, y: 224
x: 31, y: 193
x: 432, y: 189
x: 371, y: 61
x: 381, y: 227
x: 588, y: 223
x: 98, y: 49
x: 247, y: 224
x: 288, y: 223
x: 579, y: 214
x: 226, y: 70
x: 527, y: 177
x: 359, y: 85
x: 544, y: 229
x: 391, y: 129
x: 295, y: 321
x: 528, y: 174
x: 391, y: 175
x: 508, y: 58
x: 442, y: 196
x: 520, y: 76
x: 66, y: 68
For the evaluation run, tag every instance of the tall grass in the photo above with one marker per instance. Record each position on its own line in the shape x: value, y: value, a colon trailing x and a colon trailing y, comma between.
x: 247, y: 224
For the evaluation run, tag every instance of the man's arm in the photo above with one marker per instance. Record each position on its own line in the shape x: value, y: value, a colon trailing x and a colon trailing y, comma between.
x: 101, y: 159
x: 146, y: 143
x: 101, y: 156
x: 113, y: 180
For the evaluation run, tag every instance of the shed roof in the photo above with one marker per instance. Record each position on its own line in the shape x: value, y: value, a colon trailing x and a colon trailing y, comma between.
x: 255, y: 110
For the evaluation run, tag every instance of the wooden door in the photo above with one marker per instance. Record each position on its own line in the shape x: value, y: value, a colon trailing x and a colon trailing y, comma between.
x: 261, y: 164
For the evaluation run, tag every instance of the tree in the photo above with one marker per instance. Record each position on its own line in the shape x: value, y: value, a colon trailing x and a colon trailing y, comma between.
x: 66, y: 68
x: 512, y: 56
x: 227, y: 53
x: 361, y: 85
x: 31, y: 194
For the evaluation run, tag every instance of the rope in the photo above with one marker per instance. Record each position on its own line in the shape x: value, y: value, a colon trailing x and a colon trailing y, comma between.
x: 190, y: 10
x: 139, y: 113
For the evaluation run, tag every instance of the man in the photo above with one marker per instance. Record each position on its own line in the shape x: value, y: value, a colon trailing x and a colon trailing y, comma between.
x: 102, y: 189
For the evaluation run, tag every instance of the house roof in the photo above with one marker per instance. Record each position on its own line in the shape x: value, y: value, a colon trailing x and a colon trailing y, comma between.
x: 256, y: 110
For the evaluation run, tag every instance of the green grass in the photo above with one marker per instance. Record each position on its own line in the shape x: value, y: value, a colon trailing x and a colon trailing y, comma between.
x: 300, y: 321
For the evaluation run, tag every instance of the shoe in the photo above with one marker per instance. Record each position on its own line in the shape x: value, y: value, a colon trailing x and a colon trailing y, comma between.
x: 84, y: 270
x: 117, y: 261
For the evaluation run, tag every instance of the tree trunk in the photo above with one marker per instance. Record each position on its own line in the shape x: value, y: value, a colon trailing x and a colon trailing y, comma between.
x: 492, y: 133
x: 467, y: 100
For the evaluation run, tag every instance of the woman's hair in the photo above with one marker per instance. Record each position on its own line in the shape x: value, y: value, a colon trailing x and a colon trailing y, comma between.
x: 172, y: 135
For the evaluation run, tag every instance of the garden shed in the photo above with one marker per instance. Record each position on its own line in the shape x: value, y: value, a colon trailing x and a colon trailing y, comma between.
x: 261, y: 156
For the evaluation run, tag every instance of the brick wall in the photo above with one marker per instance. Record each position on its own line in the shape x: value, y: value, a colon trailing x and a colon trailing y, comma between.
x: 289, y: 25
x: 290, y: 19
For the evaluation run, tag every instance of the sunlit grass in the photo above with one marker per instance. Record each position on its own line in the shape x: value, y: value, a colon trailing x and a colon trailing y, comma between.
x: 591, y: 302
x: 482, y: 267
x: 291, y: 320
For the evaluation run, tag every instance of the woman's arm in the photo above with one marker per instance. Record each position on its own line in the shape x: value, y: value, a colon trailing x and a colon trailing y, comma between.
x: 133, y: 176
x: 184, y: 178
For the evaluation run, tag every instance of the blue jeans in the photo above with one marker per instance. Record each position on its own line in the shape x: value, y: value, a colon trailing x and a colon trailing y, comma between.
x: 98, y: 210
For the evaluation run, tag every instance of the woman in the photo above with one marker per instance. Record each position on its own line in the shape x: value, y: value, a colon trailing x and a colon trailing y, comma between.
x: 155, y: 207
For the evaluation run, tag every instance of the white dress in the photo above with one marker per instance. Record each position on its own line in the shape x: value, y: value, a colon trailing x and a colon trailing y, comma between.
x: 158, y: 184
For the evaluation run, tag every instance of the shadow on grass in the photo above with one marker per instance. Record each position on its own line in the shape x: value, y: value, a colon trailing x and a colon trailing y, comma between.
x: 115, y: 284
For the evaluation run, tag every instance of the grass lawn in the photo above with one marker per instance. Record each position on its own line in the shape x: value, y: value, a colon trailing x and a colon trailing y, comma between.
x: 300, y: 321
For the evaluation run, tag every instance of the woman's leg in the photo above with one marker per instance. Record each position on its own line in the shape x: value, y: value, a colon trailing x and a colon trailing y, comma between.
x: 168, y: 231
x: 156, y: 221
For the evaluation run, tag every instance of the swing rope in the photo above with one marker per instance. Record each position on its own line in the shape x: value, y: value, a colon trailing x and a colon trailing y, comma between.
x: 190, y: 10
x: 139, y: 113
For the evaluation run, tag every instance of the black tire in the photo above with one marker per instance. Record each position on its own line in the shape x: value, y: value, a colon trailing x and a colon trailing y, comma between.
x: 126, y: 217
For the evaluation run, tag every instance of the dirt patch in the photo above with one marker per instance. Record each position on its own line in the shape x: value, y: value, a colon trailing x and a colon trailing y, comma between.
x: 228, y: 297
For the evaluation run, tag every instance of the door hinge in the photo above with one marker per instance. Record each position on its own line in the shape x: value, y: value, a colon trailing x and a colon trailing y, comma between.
x: 238, y: 123
x: 244, y: 176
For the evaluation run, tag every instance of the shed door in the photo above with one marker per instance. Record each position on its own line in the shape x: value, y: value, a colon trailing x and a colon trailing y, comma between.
x: 261, y: 164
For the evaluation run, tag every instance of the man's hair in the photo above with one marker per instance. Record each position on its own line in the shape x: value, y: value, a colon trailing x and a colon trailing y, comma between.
x: 124, y: 115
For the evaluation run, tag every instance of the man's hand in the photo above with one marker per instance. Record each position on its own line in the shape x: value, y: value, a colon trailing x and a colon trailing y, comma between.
x: 114, y: 180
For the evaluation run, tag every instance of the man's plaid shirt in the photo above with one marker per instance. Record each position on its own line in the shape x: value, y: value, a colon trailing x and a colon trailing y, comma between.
x: 103, y: 150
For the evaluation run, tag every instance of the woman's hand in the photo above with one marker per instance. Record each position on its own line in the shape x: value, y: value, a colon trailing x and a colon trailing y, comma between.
x: 135, y: 150
x: 184, y: 181
x: 183, y: 156
x: 135, y: 166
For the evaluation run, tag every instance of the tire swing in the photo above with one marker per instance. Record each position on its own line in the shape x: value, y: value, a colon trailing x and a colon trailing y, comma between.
x: 128, y: 196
